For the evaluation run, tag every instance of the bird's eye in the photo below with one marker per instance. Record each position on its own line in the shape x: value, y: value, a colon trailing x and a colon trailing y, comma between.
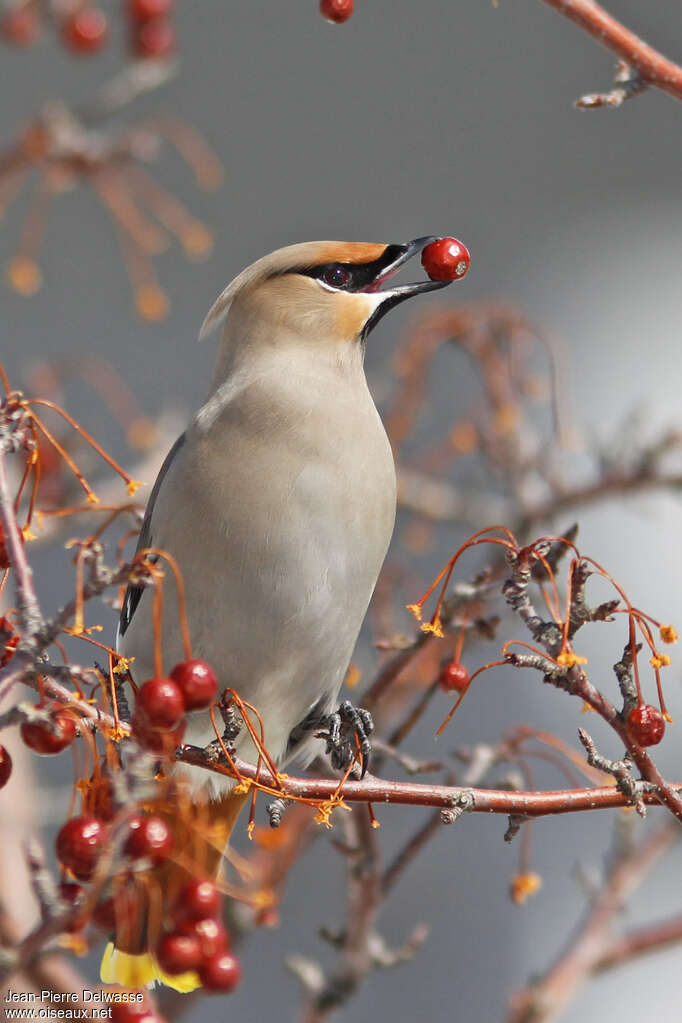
x: 336, y: 276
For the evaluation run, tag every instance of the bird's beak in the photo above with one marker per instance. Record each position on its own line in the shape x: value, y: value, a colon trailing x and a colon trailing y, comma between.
x: 390, y: 297
x: 406, y: 252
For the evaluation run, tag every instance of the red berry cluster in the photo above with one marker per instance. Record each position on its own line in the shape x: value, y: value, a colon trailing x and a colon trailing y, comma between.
x: 81, y: 840
x: 336, y: 11
x: 84, y: 29
x: 646, y: 725
x: 159, y: 719
x: 198, y: 941
x: 446, y: 259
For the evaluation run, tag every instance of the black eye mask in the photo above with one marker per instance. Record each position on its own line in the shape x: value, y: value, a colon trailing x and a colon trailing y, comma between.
x: 354, y: 276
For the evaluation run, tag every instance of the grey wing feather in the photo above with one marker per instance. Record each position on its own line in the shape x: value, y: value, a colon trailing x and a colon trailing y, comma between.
x: 134, y: 593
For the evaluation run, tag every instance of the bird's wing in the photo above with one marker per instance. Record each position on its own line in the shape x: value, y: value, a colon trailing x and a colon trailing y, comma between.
x: 134, y: 593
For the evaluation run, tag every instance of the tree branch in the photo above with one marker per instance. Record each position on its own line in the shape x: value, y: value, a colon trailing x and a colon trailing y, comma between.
x: 477, y: 800
x: 544, y: 1000
x: 651, y: 66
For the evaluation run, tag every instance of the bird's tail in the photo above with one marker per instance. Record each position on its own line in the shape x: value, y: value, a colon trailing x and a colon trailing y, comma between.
x: 127, y: 958
x: 134, y: 971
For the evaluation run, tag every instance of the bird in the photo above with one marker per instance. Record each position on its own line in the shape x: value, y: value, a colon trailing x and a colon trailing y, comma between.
x: 278, y: 504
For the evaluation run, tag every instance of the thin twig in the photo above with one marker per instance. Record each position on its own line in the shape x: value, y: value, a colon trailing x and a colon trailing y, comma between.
x: 651, y: 66
x: 545, y: 999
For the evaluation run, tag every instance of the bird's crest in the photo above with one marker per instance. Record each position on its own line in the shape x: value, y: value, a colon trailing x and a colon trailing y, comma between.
x: 302, y: 256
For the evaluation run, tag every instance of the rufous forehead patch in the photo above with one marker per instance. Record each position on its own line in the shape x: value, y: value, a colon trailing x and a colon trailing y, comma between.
x: 349, y: 252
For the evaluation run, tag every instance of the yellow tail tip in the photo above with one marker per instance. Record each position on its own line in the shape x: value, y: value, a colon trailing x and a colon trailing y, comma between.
x: 139, y: 971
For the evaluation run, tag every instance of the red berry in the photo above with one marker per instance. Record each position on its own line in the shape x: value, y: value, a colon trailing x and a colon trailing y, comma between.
x: 5, y: 767
x: 146, y: 10
x: 20, y: 26
x: 79, y: 844
x: 49, y: 737
x: 86, y: 30
x: 132, y: 1012
x: 198, y: 683
x: 161, y: 704
x: 220, y: 973
x: 211, y: 935
x: 446, y: 259
x: 454, y: 676
x: 9, y: 641
x: 337, y: 11
x: 4, y: 554
x: 163, y: 744
x: 198, y: 900
x: 150, y: 838
x: 646, y: 725
x: 178, y: 953
x: 154, y: 39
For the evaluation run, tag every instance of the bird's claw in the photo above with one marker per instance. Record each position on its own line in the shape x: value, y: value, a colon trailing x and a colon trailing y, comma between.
x: 349, y: 729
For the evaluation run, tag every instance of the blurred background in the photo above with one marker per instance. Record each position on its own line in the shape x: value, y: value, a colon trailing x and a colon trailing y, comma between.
x: 411, y: 119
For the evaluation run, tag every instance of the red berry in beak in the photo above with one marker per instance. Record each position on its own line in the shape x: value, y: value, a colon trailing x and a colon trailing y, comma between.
x: 446, y: 260
x: 646, y: 725
x: 336, y: 11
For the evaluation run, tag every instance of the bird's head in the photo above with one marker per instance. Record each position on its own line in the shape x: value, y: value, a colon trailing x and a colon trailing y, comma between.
x: 317, y: 292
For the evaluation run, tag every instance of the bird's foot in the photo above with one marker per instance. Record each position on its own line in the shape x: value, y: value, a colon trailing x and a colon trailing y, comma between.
x: 348, y: 732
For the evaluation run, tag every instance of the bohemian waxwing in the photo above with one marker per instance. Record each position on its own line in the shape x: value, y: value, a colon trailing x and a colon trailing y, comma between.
x: 278, y: 501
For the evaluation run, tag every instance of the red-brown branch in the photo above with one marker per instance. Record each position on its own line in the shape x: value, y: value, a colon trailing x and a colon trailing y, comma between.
x: 652, y: 67
x: 642, y: 941
x: 29, y: 609
x: 476, y: 800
